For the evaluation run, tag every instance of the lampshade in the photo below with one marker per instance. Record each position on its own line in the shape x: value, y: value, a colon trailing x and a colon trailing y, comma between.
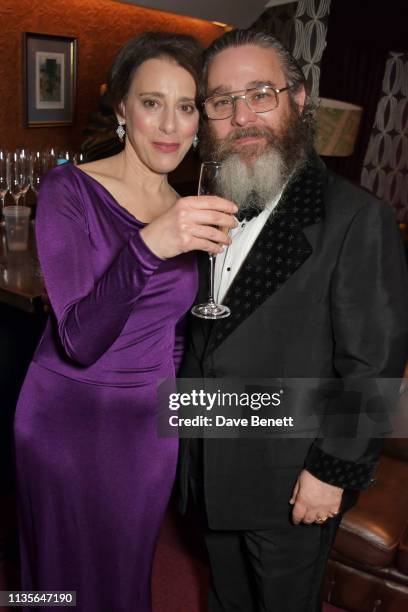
x: 337, y: 127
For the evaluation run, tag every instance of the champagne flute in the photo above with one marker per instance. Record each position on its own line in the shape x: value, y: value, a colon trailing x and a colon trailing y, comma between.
x: 24, y: 158
x: 19, y: 176
x: 37, y: 168
x: 4, y: 177
x: 207, y: 185
x: 50, y: 159
x: 78, y: 158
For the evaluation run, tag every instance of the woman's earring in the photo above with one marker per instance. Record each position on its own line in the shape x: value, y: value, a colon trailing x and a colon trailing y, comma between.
x: 120, y: 130
x: 196, y: 141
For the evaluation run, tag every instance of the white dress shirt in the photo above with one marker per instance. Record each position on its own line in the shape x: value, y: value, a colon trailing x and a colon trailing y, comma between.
x: 230, y: 260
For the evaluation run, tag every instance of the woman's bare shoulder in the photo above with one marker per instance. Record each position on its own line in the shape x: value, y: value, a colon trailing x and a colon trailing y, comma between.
x: 101, y: 168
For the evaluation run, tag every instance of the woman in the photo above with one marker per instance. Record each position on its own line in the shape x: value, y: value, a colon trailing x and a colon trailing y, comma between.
x: 115, y: 246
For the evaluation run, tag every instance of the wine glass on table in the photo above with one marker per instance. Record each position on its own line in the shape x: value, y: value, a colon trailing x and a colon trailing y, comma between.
x: 4, y: 177
x: 38, y: 165
x: 209, y: 174
x: 50, y: 159
x: 19, y: 175
x: 78, y: 158
x: 24, y: 158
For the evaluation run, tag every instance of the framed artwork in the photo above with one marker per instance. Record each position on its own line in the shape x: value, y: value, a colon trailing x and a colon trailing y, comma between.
x: 49, y: 77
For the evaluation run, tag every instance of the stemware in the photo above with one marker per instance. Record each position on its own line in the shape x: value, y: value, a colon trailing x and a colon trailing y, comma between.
x: 24, y: 157
x: 50, y: 158
x: 38, y: 163
x: 19, y: 173
x: 4, y: 177
x: 78, y: 158
x: 207, y: 185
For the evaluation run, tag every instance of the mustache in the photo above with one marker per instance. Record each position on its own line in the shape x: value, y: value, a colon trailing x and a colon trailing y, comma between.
x: 249, y: 132
x: 225, y: 147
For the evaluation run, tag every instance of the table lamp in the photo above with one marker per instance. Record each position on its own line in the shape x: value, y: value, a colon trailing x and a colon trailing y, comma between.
x: 337, y: 125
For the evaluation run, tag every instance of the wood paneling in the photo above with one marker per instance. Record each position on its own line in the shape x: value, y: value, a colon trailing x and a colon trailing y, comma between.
x: 101, y: 27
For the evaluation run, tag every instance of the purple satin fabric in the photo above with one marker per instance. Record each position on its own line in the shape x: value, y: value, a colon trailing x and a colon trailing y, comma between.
x: 93, y: 477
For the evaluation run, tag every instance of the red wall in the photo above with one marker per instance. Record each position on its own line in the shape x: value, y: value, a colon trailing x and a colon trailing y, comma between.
x: 101, y: 27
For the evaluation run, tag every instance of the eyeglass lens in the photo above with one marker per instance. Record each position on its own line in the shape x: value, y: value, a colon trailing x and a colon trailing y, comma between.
x: 259, y: 100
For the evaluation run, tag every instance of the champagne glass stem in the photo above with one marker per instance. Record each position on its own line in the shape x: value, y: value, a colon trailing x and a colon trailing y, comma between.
x: 211, y: 299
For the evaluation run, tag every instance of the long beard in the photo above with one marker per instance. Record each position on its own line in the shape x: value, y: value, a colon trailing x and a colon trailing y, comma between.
x: 255, y: 174
x: 252, y: 184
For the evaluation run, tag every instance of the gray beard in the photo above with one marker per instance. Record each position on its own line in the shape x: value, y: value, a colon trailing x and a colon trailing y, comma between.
x: 252, y: 184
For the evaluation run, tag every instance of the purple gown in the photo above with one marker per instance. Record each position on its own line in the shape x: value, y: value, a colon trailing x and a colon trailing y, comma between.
x: 94, y: 479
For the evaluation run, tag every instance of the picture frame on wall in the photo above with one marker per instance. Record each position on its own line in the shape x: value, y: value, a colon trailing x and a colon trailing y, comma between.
x: 49, y: 78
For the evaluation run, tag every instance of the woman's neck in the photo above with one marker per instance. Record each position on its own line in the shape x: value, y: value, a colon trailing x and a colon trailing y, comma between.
x: 143, y: 180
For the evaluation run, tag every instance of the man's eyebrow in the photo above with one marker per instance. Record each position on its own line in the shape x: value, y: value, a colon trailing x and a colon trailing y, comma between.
x: 222, y: 89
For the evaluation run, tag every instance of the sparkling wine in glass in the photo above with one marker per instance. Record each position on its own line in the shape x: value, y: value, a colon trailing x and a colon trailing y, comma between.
x: 207, y: 186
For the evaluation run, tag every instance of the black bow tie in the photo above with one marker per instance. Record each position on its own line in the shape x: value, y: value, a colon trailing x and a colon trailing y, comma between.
x: 250, y: 209
x: 246, y: 214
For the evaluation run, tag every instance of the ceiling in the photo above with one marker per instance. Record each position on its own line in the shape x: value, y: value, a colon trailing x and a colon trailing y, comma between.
x: 239, y: 13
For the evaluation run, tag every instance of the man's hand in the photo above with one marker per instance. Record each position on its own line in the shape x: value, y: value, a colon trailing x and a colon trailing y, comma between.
x: 314, y: 499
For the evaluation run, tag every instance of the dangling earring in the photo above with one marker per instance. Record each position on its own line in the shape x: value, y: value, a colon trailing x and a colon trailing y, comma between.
x: 120, y: 130
x: 196, y: 141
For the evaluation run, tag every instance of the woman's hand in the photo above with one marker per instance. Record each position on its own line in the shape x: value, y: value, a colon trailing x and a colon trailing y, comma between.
x: 191, y: 225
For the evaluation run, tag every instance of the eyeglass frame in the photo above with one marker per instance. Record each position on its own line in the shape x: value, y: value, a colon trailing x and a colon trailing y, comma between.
x: 234, y: 98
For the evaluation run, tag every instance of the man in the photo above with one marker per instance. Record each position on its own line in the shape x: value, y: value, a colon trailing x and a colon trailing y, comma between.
x: 316, y: 283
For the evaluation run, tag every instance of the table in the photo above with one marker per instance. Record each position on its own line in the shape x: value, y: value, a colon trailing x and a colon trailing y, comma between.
x: 21, y: 281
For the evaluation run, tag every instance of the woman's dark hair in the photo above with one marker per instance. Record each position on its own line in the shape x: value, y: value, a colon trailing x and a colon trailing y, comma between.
x: 184, y: 50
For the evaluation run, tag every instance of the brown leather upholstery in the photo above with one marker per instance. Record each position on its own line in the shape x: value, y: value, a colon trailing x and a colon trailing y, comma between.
x: 361, y: 591
x: 368, y: 569
x: 372, y: 531
x: 402, y: 556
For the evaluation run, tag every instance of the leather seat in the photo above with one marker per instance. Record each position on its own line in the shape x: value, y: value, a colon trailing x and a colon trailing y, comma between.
x: 368, y: 566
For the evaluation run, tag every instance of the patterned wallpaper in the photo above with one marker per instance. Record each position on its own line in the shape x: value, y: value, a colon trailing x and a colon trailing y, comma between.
x: 101, y: 26
x: 311, y: 20
x: 302, y: 28
x: 385, y: 170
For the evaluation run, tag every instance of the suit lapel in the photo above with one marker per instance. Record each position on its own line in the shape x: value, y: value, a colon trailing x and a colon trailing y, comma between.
x: 279, y: 250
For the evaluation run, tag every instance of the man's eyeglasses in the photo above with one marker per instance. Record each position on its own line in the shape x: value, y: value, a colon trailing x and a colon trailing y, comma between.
x: 258, y: 99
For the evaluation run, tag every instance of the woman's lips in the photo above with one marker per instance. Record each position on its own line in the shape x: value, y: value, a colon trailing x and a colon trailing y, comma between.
x: 166, y: 147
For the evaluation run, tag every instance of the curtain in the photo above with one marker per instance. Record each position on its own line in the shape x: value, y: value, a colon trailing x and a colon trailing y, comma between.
x: 385, y: 170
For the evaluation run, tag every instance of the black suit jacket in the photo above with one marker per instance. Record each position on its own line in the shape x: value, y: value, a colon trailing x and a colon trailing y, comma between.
x: 323, y: 293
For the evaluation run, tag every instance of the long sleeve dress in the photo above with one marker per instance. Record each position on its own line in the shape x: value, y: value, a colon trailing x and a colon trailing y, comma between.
x: 93, y: 476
